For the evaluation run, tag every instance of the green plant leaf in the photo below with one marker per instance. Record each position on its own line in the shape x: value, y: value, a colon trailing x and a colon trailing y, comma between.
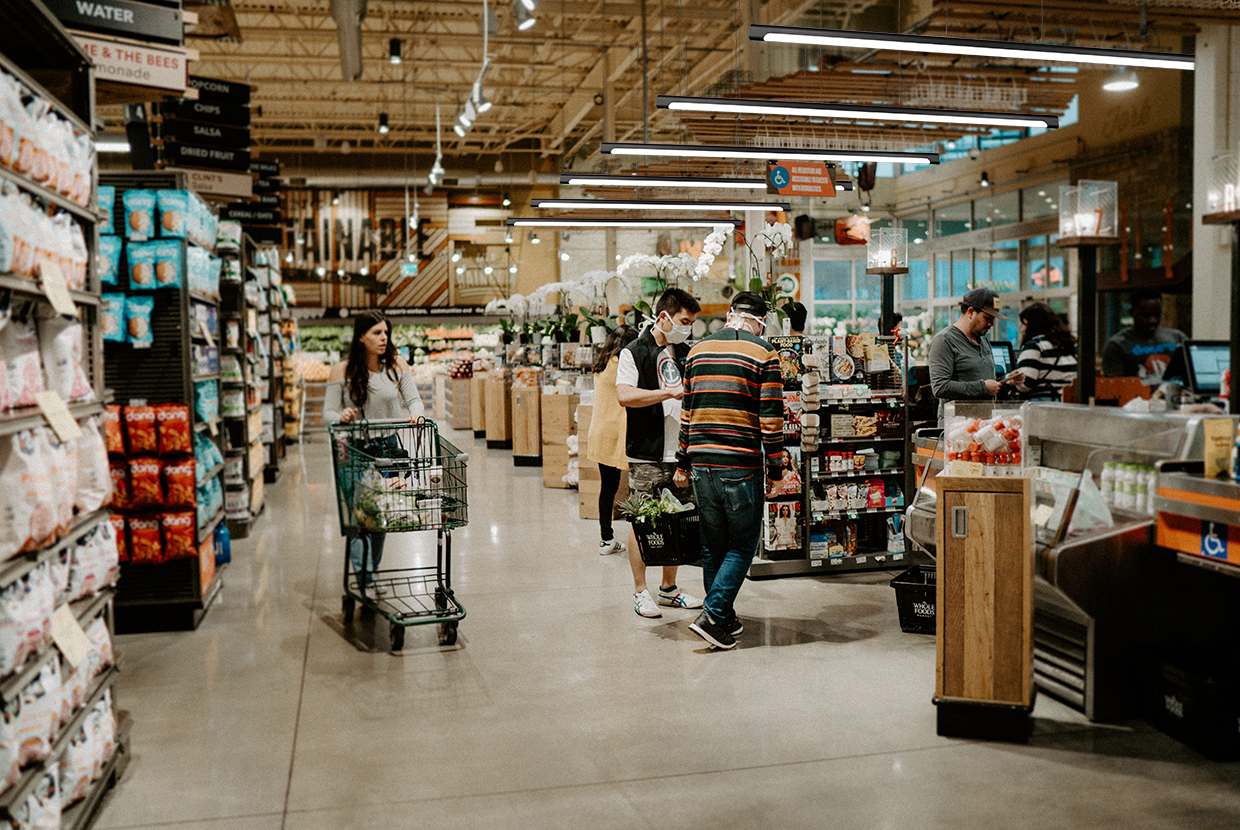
x: 755, y: 285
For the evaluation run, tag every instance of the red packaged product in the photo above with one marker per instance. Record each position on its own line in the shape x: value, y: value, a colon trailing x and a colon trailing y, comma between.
x: 174, y: 429
x: 144, y: 547
x: 140, y: 429
x: 118, y: 528
x: 145, y: 489
x: 179, y: 484
x: 179, y: 535
x: 120, y: 483
x: 112, y: 434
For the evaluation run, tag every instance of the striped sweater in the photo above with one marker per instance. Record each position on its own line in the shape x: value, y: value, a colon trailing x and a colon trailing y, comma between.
x: 733, y: 410
x: 1048, y: 368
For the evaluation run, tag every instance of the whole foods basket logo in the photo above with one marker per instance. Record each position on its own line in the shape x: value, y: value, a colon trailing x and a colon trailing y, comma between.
x: 655, y: 540
x: 923, y: 609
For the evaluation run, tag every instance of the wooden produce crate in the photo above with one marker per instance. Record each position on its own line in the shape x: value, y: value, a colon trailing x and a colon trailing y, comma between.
x: 499, y: 414
x: 559, y: 421
x: 316, y: 393
x: 478, y: 405
x: 526, y: 426
x: 458, y: 412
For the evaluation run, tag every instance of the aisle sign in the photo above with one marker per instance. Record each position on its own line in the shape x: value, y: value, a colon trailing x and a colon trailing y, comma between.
x: 129, y: 63
x: 207, y: 112
x: 408, y: 269
x: 800, y: 178
x: 140, y: 21
x: 216, y: 182
x: 214, y: 135
x: 244, y: 213
x: 215, y: 157
x: 220, y: 91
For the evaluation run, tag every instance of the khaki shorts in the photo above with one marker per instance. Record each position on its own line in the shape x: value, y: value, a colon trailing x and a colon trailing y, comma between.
x: 650, y: 478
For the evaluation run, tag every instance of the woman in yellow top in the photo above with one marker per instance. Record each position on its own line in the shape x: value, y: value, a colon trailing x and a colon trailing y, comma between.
x: 607, y: 431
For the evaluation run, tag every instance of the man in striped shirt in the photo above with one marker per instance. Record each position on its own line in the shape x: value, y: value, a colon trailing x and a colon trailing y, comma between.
x: 731, y: 421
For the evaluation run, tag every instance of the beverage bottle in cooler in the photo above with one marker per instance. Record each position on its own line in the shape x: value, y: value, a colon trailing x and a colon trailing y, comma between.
x: 1125, y: 487
x: 1107, y: 485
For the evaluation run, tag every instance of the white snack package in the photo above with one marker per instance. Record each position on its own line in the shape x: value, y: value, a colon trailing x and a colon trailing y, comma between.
x: 60, y: 346
x: 40, y: 714
x: 19, y: 347
x: 61, y: 459
x: 94, y: 481
x: 95, y: 563
x: 98, y: 633
x: 27, y: 518
x: 43, y: 806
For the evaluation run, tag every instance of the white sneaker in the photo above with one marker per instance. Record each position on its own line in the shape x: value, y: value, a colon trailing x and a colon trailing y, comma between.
x: 614, y: 546
x: 645, y: 606
x: 383, y: 591
x: 678, y: 599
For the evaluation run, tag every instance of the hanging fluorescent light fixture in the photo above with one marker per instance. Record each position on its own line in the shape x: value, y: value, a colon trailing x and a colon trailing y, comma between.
x: 569, y: 222
x: 591, y: 180
x: 868, y: 113
x: 383, y: 122
x: 713, y: 151
x: 651, y: 204
x: 1013, y: 50
x: 394, y: 51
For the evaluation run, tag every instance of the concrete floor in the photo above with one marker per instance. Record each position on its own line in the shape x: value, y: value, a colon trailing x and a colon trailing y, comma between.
x: 560, y: 708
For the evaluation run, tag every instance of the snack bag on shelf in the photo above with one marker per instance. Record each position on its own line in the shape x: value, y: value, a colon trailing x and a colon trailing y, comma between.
x: 118, y: 471
x: 94, y: 480
x: 144, y: 547
x: 43, y: 806
x: 40, y: 714
x: 27, y: 519
x: 76, y: 767
x: 60, y: 345
x: 145, y: 489
x: 98, y: 633
x: 117, y: 521
x: 140, y: 261
x: 59, y: 570
x: 112, y: 318
x: 77, y: 255
x: 113, y: 433
x: 19, y: 347
x: 139, y: 214
x: 141, y: 429
x: 62, y: 461
x: 138, y: 310
x: 167, y: 258
x: 174, y: 428
x: 108, y: 259
x: 179, y: 483
x: 180, y: 535
x: 174, y: 208
x: 107, y: 202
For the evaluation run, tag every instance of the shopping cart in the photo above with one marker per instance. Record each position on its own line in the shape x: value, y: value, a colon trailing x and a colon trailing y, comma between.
x: 399, y: 477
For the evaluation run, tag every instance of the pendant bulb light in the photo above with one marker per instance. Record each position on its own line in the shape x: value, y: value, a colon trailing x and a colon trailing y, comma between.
x: 1121, y: 80
x: 394, y: 51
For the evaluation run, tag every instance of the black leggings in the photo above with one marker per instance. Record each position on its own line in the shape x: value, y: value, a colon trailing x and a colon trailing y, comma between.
x: 607, y: 499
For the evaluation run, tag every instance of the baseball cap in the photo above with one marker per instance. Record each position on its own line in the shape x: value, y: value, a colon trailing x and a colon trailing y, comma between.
x: 749, y: 303
x: 983, y: 299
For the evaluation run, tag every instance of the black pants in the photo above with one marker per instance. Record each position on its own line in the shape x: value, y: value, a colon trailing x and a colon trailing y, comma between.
x: 607, y: 499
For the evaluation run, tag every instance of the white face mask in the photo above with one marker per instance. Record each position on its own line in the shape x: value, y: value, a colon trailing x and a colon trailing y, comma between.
x: 678, y: 334
x: 736, y: 320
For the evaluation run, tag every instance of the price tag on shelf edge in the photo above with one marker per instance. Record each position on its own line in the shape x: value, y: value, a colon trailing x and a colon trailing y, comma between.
x: 69, y: 637
x: 55, y: 289
x: 58, y: 416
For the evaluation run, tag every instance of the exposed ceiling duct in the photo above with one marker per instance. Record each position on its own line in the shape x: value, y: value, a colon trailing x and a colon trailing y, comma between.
x: 349, y: 15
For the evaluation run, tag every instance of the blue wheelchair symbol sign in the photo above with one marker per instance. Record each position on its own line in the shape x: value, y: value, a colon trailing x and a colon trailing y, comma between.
x: 1214, y: 540
x: 780, y: 177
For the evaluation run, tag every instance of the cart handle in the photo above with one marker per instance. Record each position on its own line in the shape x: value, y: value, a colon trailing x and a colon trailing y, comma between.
x: 382, y: 422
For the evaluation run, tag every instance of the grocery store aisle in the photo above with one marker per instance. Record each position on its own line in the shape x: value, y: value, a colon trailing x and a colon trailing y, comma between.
x: 560, y: 708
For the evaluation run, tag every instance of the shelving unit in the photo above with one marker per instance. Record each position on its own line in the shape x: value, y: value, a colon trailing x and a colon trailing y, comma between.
x: 244, y: 454
x: 887, y: 393
x: 36, y: 50
x: 270, y: 319
x: 177, y: 594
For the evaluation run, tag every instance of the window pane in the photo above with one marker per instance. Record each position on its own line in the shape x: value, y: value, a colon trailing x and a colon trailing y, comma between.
x: 1040, y: 200
x: 1003, y: 209
x: 1035, y: 262
x: 1008, y: 329
x: 916, y: 281
x: 832, y: 280
x: 962, y: 272
x: 1005, y: 274
x: 868, y: 317
x: 827, y: 315
x: 954, y: 219
x: 942, y: 317
x: 1058, y: 276
x: 942, y: 276
x: 869, y: 286
x: 918, y: 228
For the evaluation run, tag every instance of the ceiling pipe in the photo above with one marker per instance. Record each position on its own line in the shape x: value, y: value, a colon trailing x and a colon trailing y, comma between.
x: 349, y: 15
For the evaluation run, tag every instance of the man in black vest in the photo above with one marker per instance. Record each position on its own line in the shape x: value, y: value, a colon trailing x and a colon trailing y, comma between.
x: 649, y: 385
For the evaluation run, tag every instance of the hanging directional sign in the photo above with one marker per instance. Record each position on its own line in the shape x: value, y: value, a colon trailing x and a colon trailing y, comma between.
x: 140, y: 21
x: 207, y: 112
x: 216, y: 158
x: 213, y: 135
x: 218, y: 91
x: 800, y: 178
x: 244, y: 213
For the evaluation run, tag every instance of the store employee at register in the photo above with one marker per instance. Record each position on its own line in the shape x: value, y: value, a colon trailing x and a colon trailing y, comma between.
x: 962, y: 367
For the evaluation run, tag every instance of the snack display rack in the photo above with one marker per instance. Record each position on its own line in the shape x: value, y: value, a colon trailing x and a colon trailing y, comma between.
x: 244, y: 454
x: 175, y: 594
x: 835, y: 531
x: 271, y: 311
x: 33, y: 43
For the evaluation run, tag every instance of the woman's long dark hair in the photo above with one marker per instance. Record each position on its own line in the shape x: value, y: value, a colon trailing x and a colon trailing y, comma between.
x: 620, y: 337
x: 1040, y: 319
x: 356, y: 372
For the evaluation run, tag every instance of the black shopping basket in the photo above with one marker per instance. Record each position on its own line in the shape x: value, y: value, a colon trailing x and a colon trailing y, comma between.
x: 671, y: 539
x: 916, y: 599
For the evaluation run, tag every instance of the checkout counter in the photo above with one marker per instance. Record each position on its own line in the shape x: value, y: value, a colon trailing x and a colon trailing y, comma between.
x: 1112, y: 583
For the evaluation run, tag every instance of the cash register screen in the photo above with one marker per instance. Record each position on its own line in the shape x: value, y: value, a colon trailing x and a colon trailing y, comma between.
x: 1206, y: 363
x: 1004, y: 361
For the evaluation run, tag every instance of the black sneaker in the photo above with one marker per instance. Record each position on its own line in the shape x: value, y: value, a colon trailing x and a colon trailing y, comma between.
x: 712, y: 632
x: 734, y: 626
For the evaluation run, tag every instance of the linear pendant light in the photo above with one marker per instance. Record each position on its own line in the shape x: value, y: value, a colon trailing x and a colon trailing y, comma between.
x: 651, y: 204
x: 969, y: 46
x: 812, y: 110
x: 569, y: 222
x: 591, y: 180
x: 715, y: 151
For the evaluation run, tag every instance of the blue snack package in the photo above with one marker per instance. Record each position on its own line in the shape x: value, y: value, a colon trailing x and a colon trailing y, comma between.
x: 112, y: 317
x: 138, y: 310
x: 107, y: 204
x: 166, y: 254
x: 109, y: 261
x: 174, y: 212
x: 139, y: 214
x: 140, y: 260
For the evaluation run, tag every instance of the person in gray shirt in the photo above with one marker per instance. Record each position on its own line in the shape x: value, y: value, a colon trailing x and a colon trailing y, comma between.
x: 962, y: 367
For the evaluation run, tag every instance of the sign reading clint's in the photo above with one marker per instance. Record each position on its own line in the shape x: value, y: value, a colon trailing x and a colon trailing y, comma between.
x: 140, y: 21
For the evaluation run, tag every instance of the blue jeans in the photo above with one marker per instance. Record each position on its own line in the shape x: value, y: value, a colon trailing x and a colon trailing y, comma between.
x: 729, y: 503
x: 357, y: 550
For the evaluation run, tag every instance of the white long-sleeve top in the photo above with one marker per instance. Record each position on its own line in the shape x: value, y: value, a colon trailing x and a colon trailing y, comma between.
x: 388, y: 399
